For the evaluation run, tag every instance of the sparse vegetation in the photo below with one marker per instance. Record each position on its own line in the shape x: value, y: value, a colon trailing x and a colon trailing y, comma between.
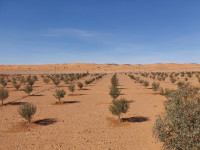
x: 59, y: 94
x: 3, y: 94
x: 28, y: 89
x: 118, y: 107
x: 80, y: 85
x: 71, y: 88
x: 155, y: 86
x: 178, y: 128
x: 27, y: 111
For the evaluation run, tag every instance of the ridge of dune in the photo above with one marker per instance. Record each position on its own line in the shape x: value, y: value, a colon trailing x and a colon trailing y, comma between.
x: 103, y: 67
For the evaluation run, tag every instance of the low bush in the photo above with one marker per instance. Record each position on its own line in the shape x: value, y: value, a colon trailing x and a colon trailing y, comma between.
x: 59, y: 94
x: 3, y: 94
x: 27, y: 111
x: 118, y: 107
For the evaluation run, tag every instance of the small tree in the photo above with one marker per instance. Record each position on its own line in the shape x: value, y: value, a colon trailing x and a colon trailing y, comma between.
x: 114, y: 92
x: 114, y: 80
x: 118, y: 107
x: 27, y: 111
x: 80, y: 85
x: 155, y: 86
x: 146, y: 83
x: 46, y: 80
x: 3, y: 94
x: 56, y: 81
x: 28, y: 89
x: 3, y: 82
x: 59, y: 94
x: 30, y: 81
x: 71, y: 88
x: 16, y: 86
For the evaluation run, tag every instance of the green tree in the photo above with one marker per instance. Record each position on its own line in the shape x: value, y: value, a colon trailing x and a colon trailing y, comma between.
x: 59, y: 94
x: 3, y: 94
x: 118, y: 107
x: 27, y: 111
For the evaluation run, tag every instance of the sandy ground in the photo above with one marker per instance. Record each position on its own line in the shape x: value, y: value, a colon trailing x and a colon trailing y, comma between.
x: 83, y: 121
x: 81, y: 67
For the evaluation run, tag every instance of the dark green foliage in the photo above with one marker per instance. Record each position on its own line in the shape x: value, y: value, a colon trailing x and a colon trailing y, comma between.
x: 71, y: 88
x: 173, y: 80
x: 27, y: 111
x: 28, y: 89
x: 30, y: 81
x: 186, y: 79
x: 3, y: 82
x: 146, y: 83
x: 89, y: 81
x: 118, y: 107
x: 16, y: 85
x: 179, y: 127
x: 22, y: 80
x: 3, y: 94
x: 46, y: 80
x: 131, y: 76
x: 114, y: 80
x: 56, y: 81
x: 155, y: 86
x: 35, y: 78
x: 59, y: 94
x: 114, y: 92
x: 80, y: 85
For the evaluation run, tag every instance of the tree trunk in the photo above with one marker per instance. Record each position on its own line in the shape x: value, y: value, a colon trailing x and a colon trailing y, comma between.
x: 2, y: 102
x: 119, y: 119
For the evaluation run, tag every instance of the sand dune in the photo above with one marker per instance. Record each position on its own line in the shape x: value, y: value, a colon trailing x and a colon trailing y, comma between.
x: 80, y: 67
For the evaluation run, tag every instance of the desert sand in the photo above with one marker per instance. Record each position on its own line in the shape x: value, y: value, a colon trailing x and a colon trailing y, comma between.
x: 83, y: 120
x: 82, y: 67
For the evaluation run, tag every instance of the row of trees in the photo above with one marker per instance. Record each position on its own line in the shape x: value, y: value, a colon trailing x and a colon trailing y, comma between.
x: 118, y: 106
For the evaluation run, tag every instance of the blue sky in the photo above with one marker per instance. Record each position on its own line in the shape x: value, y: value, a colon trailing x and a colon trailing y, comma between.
x: 99, y: 31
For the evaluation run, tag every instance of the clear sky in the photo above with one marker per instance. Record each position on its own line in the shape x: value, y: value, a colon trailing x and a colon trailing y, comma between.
x: 99, y: 31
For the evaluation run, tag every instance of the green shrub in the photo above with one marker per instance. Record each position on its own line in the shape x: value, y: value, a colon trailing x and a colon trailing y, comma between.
x: 59, y: 94
x: 173, y: 80
x: 146, y: 83
x: 28, y: 89
x: 56, y: 81
x: 179, y: 127
x: 3, y: 94
x: 27, y: 111
x: 46, y: 80
x: 35, y: 77
x: 118, y: 107
x: 71, y: 88
x: 114, y: 80
x: 155, y: 86
x: 30, y: 81
x: 3, y: 82
x: 80, y: 85
x: 114, y: 92
x: 16, y: 86
x: 22, y: 80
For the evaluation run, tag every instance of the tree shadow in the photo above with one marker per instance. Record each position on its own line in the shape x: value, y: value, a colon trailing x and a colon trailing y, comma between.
x: 122, y: 88
x: 66, y: 102
x: 85, y: 89
x: 36, y: 95
x: 135, y: 119
x: 45, y: 122
x: 16, y: 103
x: 76, y: 94
x: 122, y: 94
